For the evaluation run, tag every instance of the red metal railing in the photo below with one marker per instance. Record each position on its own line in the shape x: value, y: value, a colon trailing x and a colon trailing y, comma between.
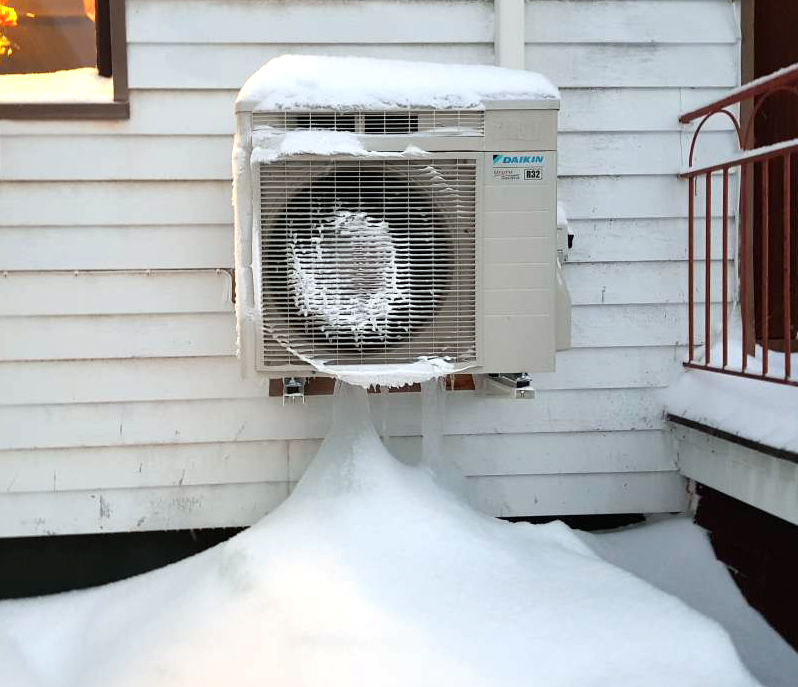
x: 760, y: 197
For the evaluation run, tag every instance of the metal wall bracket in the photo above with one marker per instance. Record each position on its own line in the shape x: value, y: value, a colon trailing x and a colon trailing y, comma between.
x: 293, y: 389
x: 512, y: 384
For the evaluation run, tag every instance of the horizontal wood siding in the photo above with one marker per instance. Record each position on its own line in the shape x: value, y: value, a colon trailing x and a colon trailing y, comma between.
x: 122, y: 404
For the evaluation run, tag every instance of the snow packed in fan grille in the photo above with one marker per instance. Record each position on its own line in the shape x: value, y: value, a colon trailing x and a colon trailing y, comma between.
x: 368, y: 261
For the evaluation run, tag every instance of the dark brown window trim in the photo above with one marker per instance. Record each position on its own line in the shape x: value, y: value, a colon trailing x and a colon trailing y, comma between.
x: 118, y: 109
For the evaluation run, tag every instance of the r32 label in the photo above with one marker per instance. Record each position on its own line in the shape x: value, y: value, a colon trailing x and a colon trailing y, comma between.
x: 533, y: 174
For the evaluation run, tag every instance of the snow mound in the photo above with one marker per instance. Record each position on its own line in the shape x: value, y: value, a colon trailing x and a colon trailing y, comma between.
x: 309, y: 81
x: 370, y: 574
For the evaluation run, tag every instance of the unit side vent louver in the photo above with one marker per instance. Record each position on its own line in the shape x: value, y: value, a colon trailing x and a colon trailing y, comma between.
x: 384, y: 123
x: 368, y: 261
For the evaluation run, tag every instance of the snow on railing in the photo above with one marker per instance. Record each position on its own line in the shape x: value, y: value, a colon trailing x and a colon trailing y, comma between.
x: 768, y: 295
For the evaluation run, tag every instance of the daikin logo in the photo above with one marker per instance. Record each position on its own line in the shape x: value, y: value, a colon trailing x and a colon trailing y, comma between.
x: 518, y: 159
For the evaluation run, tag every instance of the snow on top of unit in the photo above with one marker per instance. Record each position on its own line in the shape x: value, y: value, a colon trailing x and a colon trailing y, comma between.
x: 67, y: 86
x: 310, y: 81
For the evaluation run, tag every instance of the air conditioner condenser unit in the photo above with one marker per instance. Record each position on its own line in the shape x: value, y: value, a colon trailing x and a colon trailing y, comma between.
x: 381, y: 236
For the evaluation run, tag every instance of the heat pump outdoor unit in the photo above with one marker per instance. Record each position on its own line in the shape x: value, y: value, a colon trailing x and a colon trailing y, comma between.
x: 384, y: 236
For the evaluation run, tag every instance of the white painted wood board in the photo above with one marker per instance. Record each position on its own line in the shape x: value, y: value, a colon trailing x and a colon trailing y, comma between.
x: 755, y: 478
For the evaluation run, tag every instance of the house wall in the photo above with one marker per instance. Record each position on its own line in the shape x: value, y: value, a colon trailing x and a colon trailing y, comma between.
x: 122, y: 408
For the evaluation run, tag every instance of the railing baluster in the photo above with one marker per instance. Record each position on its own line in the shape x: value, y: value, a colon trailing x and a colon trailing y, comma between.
x: 743, y: 229
x: 787, y: 256
x: 724, y: 267
x: 707, y: 269
x: 765, y: 247
x: 690, y: 256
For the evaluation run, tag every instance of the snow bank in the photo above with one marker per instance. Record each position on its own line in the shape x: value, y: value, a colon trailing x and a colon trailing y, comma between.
x: 370, y: 574
x: 676, y: 556
x: 69, y: 86
x: 307, y: 81
x: 748, y: 408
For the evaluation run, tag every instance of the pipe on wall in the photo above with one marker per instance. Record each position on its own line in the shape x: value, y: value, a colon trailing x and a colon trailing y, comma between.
x: 508, y: 23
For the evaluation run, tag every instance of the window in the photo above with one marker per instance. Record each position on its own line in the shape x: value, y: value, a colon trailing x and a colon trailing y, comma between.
x: 63, y: 59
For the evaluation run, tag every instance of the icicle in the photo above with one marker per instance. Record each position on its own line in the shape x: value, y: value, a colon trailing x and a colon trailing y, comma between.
x: 433, y: 415
x: 385, y: 410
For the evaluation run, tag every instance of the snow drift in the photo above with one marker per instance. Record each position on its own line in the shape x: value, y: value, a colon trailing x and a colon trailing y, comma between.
x: 370, y: 574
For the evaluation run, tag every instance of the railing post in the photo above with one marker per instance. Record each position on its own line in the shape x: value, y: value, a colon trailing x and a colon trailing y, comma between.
x: 787, y: 296
x: 724, y: 266
x: 690, y: 256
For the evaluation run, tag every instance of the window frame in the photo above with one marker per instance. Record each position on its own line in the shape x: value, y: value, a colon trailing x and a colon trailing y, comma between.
x: 119, y: 108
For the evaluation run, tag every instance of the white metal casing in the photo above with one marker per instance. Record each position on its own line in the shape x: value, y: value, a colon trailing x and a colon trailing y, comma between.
x: 522, y: 306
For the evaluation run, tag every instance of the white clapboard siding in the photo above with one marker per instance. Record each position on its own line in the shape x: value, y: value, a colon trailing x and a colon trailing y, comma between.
x: 116, y: 248
x: 209, y: 112
x: 329, y: 22
x: 635, y: 325
x: 208, y: 157
x: 119, y: 292
x: 109, y: 203
x: 117, y: 336
x: 138, y: 510
x: 122, y: 404
x: 641, y: 240
x: 630, y: 21
x: 638, y: 65
x: 159, y: 379
x: 632, y: 282
x: 241, y: 462
x: 198, y: 421
x: 155, y: 66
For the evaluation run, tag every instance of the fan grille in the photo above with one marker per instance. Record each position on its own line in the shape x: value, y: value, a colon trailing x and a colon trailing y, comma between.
x: 378, y: 122
x: 368, y: 261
